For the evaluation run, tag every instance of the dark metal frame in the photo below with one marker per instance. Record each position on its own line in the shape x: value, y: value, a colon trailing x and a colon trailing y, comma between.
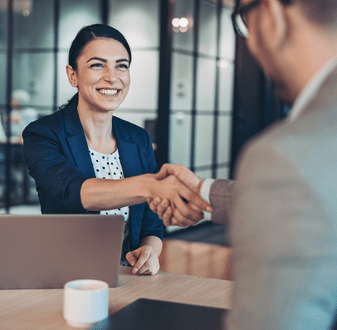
x: 164, y: 89
x: 9, y: 84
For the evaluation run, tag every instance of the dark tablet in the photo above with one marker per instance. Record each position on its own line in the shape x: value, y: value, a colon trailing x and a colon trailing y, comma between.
x: 148, y: 314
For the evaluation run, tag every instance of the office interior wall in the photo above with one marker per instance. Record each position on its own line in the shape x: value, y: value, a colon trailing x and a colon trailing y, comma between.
x: 201, y: 72
x: 202, y: 82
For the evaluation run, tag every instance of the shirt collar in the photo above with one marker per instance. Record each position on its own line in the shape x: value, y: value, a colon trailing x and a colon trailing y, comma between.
x: 311, y: 89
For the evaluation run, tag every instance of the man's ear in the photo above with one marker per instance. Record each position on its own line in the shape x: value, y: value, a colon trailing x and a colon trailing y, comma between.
x: 72, y: 76
x: 275, y: 26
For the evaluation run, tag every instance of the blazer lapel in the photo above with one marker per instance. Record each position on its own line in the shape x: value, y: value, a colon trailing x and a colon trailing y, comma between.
x: 127, y: 150
x: 76, y: 140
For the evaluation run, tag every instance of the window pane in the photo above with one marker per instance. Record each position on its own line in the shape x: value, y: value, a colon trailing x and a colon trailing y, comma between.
x: 227, y: 46
x: 65, y: 91
x: 34, y: 24
x: 224, y: 138
x: 205, y: 174
x: 35, y: 74
x: 180, y: 138
x: 222, y: 173
x: 137, y: 20
x: 143, y: 92
x: 207, y: 32
x: 3, y: 75
x: 74, y: 15
x: 183, y: 35
x: 181, y: 83
x: 206, y: 84
x: 3, y: 29
x: 226, y: 88
x: 204, y: 140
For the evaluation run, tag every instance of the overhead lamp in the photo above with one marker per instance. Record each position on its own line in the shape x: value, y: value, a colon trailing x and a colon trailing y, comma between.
x: 224, y: 63
x: 183, y: 22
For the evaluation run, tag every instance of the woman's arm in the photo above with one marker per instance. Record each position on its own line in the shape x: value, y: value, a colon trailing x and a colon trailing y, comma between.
x: 61, y: 182
x: 100, y: 194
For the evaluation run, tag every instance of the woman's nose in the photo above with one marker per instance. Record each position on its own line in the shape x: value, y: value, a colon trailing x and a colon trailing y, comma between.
x: 111, y: 75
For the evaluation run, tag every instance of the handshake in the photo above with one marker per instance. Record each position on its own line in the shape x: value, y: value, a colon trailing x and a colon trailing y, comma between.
x: 175, y: 196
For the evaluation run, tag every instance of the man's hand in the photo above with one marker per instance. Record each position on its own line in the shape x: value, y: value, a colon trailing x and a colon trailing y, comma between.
x: 180, y: 197
x: 185, y: 175
x: 172, y: 216
x: 143, y: 260
x: 165, y: 213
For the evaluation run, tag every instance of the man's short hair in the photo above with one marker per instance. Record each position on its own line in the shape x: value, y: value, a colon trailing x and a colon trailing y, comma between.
x: 322, y: 12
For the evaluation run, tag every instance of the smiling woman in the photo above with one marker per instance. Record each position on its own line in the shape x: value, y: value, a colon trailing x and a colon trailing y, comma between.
x: 84, y: 159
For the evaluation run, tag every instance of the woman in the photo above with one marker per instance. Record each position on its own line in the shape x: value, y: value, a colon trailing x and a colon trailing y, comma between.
x: 84, y: 159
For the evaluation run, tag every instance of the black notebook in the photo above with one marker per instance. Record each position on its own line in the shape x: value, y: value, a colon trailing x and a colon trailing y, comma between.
x: 151, y: 314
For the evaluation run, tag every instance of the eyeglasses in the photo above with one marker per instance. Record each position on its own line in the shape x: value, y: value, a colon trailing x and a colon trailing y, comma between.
x: 239, y: 18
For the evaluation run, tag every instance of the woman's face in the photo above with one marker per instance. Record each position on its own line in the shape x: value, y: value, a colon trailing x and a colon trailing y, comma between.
x: 102, y: 75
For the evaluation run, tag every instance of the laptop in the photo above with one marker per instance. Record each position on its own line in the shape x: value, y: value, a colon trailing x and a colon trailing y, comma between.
x: 46, y: 251
x: 150, y: 314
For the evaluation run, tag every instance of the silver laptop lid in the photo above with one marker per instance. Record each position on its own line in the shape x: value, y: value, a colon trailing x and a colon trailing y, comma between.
x: 46, y: 251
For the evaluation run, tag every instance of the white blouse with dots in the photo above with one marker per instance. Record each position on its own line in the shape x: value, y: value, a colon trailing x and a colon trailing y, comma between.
x: 108, y: 166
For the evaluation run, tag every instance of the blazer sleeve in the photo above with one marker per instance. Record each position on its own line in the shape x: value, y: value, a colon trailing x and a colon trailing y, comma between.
x: 221, y: 198
x: 50, y: 164
x: 151, y: 224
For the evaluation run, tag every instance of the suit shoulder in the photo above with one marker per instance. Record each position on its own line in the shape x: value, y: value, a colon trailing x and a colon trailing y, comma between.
x: 133, y: 130
x: 49, y: 125
x: 127, y: 124
x: 55, y: 119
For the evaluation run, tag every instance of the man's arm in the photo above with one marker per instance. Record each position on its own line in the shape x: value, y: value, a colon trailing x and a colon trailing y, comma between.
x: 221, y: 198
x: 219, y: 194
x: 283, y: 240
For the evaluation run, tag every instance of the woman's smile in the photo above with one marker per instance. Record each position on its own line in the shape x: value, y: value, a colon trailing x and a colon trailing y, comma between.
x: 108, y: 92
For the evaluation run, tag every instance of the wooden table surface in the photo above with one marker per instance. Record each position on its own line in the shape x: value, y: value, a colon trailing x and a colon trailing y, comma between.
x: 43, y: 308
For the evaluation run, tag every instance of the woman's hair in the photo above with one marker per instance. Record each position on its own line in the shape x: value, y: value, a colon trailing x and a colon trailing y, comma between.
x: 88, y: 34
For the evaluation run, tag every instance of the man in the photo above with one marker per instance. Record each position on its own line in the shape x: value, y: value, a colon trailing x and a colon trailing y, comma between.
x: 283, y: 210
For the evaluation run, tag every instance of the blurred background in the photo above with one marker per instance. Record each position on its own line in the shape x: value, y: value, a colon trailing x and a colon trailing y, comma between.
x: 194, y: 87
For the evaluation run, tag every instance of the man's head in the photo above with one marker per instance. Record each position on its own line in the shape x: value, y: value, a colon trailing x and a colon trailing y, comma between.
x: 290, y: 39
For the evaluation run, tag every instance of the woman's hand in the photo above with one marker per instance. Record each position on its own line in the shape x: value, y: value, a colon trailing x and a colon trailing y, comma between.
x: 144, y: 260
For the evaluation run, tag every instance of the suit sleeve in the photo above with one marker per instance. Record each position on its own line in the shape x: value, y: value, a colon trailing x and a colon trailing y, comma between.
x: 221, y: 197
x: 284, y: 247
x: 55, y: 175
x: 151, y: 224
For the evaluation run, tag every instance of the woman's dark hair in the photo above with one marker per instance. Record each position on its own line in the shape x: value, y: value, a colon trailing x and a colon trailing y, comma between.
x: 88, y: 34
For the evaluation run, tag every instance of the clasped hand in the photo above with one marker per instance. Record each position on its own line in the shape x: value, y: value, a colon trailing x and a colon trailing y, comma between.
x: 187, y: 209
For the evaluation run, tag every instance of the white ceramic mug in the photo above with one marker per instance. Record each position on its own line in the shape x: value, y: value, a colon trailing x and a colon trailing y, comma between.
x: 85, y: 302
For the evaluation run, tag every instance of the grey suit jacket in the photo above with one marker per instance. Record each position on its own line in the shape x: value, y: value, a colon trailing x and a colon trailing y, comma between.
x: 284, y: 222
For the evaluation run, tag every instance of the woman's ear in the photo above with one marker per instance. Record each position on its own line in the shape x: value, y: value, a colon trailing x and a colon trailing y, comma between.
x: 72, y: 76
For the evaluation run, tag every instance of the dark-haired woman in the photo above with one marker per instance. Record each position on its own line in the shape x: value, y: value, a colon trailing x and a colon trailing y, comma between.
x: 84, y: 159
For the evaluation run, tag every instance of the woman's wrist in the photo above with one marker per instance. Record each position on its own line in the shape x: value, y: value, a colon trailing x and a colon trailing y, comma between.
x: 155, y: 242
x: 146, y: 185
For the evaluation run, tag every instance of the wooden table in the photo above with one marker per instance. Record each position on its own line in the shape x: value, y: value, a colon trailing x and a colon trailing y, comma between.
x: 43, y: 309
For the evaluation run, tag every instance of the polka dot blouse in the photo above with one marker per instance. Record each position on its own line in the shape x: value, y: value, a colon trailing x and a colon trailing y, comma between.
x: 108, y: 166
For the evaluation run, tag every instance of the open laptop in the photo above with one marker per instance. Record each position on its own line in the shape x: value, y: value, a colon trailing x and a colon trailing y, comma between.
x: 46, y: 251
x: 149, y: 314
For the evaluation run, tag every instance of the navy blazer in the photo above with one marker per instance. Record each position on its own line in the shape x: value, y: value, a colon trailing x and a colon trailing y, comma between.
x: 57, y: 155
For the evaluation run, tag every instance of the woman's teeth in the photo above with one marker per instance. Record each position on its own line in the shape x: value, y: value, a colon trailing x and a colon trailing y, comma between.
x: 108, y: 91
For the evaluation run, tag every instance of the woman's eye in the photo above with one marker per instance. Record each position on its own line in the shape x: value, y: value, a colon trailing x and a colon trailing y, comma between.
x: 123, y: 66
x: 97, y: 65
